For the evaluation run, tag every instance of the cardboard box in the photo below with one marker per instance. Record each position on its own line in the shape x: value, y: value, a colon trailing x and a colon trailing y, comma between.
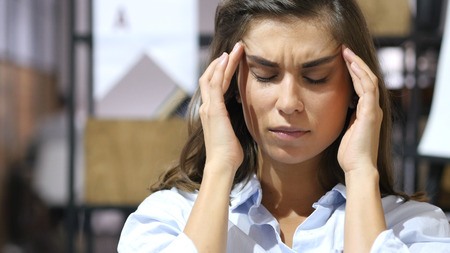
x: 123, y: 158
x: 387, y: 18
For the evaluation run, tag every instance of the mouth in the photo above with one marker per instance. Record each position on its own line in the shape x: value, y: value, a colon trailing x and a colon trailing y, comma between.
x: 288, y: 133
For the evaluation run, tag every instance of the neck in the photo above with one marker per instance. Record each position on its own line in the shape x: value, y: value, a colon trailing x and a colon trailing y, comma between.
x: 290, y: 189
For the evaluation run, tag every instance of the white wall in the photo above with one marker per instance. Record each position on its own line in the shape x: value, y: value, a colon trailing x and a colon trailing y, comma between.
x: 28, y: 33
x: 3, y: 25
x: 207, y: 10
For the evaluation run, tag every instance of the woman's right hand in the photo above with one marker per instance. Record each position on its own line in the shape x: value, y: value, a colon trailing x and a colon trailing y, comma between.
x: 224, y: 155
x: 223, y: 149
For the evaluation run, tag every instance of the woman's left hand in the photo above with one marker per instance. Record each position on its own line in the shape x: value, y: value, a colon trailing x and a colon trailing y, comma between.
x: 359, y: 146
x: 357, y: 155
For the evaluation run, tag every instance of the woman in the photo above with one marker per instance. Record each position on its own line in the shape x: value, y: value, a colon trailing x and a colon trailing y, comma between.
x: 294, y: 122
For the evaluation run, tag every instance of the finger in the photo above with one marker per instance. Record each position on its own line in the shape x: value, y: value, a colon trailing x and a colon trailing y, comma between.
x: 360, y: 71
x: 355, y: 80
x: 216, y: 83
x: 368, y: 108
x: 367, y: 90
x: 207, y: 75
x: 233, y: 62
x: 363, y: 70
x: 352, y: 57
x: 206, y: 78
x: 367, y: 84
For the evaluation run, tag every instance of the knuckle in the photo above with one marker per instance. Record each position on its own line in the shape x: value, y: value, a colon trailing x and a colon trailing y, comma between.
x: 380, y: 113
x: 202, y: 80
x: 371, y: 88
x: 202, y: 110
x: 375, y: 79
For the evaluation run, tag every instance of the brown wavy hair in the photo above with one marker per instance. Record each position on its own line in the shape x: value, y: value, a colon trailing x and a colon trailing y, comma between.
x: 346, y: 23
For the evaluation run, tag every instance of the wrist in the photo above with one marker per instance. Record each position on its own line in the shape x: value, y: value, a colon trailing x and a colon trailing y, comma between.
x: 218, y: 172
x: 362, y: 177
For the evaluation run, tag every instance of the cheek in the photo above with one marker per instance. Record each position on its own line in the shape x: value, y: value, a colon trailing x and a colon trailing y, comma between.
x: 330, y: 105
x: 338, y: 97
x: 337, y: 109
x: 255, y: 103
x: 333, y: 108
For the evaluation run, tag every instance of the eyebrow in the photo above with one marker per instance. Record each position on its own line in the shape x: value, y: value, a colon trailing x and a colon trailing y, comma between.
x: 262, y: 61
x: 319, y: 61
x: 310, y: 64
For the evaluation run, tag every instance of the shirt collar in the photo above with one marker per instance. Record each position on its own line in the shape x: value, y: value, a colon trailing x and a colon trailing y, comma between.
x: 336, y: 196
x: 243, y: 191
x: 251, y: 190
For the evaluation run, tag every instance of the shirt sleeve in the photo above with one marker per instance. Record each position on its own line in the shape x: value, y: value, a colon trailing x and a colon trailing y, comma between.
x: 414, y: 227
x: 389, y: 243
x: 157, y: 226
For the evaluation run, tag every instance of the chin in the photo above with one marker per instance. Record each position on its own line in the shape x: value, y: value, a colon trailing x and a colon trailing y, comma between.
x: 284, y: 156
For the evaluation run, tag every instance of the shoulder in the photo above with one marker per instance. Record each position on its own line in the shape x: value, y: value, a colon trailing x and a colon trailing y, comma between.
x: 166, y: 204
x: 415, y: 218
x: 170, y: 197
x: 166, y: 210
x: 158, y: 223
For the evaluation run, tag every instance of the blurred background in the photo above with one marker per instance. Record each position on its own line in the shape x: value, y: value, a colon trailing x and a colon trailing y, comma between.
x: 93, y: 96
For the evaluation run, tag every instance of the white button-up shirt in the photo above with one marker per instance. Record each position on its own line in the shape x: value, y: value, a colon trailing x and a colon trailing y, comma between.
x: 158, y: 223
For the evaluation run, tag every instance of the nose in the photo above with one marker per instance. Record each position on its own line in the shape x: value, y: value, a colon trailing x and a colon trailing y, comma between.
x: 289, y: 98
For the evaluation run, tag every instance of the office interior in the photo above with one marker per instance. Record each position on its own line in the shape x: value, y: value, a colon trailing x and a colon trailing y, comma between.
x: 94, y: 93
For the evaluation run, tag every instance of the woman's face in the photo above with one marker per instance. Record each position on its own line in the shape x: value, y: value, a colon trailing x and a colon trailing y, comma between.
x: 294, y: 88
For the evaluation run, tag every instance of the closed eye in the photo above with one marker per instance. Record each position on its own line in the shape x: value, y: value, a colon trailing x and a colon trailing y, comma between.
x: 316, y: 81
x: 263, y: 79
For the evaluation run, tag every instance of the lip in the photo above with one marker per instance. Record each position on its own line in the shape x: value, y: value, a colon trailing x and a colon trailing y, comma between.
x: 288, y: 133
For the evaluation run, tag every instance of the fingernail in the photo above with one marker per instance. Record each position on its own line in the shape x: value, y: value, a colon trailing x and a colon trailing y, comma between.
x: 350, y: 52
x: 223, y: 57
x: 236, y: 46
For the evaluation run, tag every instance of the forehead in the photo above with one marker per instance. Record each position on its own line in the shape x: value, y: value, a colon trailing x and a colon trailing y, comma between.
x: 289, y: 36
x: 319, y: 22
